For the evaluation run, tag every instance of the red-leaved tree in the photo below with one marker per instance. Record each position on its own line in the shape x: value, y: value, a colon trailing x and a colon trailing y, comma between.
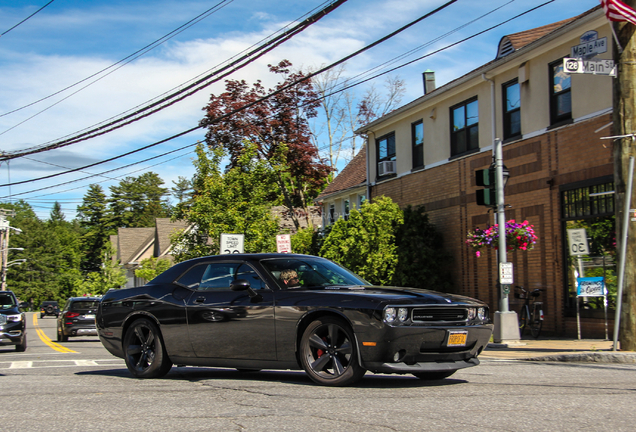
x: 279, y: 128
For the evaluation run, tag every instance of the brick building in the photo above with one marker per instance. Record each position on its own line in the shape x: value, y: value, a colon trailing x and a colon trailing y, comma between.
x: 561, y: 173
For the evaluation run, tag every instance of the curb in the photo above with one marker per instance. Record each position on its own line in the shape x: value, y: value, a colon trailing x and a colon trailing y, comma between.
x: 587, y: 357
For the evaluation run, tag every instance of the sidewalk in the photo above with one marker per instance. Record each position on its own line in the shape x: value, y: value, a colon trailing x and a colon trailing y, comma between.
x: 558, y: 350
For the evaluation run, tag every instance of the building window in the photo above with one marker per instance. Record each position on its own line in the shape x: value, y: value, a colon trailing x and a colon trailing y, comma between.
x: 595, y: 200
x: 345, y: 209
x: 417, y: 138
x: 560, y: 94
x: 361, y: 200
x: 386, y: 147
x: 464, y: 127
x: 512, y: 109
x: 332, y: 214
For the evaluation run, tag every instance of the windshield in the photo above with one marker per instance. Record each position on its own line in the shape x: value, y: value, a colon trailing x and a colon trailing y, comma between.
x: 310, y: 272
x: 6, y: 301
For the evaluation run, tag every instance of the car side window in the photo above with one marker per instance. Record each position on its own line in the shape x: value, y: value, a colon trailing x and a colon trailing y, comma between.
x: 192, y: 278
x: 217, y: 277
x: 244, y: 271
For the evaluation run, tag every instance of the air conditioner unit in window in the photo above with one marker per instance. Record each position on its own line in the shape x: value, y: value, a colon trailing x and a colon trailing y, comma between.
x: 386, y: 167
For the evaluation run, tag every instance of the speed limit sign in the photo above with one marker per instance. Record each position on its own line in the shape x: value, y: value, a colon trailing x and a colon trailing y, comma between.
x: 577, y: 239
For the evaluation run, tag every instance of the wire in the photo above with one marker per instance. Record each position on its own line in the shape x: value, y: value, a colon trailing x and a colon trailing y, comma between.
x: 7, y: 31
x: 179, y: 95
x: 123, y: 62
x: 273, y: 93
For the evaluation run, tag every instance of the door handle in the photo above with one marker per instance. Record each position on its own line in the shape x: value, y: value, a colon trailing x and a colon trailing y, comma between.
x: 200, y: 300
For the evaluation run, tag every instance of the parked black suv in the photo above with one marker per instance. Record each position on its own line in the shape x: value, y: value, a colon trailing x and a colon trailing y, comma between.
x: 49, y: 307
x: 77, y: 318
x: 12, y: 321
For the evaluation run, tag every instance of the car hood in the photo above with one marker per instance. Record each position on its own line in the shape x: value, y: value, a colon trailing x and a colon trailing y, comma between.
x: 10, y: 311
x: 399, y: 295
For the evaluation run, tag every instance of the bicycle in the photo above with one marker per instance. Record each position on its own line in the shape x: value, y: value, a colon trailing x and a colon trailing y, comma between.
x: 531, y: 315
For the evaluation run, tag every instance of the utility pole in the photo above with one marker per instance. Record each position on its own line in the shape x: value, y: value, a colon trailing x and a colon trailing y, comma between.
x: 624, y: 116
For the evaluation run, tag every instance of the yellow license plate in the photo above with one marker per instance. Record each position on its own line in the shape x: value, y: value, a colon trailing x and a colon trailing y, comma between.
x: 457, y: 338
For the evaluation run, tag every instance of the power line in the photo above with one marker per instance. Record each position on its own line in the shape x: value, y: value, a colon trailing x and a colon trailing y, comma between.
x: 123, y: 62
x: 181, y: 94
x: 7, y: 31
x: 272, y: 94
x: 248, y: 105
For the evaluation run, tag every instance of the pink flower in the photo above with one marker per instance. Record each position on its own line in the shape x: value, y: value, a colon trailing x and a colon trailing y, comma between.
x: 477, y: 253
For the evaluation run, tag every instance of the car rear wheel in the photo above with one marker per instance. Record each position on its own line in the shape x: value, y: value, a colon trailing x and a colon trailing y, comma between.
x: 144, y: 352
x: 61, y: 337
x: 432, y: 376
x: 328, y: 353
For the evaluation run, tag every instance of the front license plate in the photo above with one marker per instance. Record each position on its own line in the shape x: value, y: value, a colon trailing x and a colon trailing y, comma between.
x: 457, y: 338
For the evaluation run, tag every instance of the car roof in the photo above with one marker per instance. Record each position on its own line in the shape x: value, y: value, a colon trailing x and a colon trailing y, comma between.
x: 85, y: 298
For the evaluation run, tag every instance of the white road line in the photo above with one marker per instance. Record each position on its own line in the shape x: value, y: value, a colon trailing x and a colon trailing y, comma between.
x: 21, y: 365
x: 85, y: 363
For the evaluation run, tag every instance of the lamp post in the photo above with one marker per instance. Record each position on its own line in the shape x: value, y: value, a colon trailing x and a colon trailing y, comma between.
x: 506, y: 323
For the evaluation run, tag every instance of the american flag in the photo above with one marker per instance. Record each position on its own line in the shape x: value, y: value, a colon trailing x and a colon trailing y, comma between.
x: 616, y: 10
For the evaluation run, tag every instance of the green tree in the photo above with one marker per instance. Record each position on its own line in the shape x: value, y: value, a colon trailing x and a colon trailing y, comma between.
x: 51, y: 249
x: 111, y: 275
x: 236, y: 202
x: 365, y: 243
x: 182, y: 189
x: 422, y: 261
x: 137, y: 201
x: 93, y: 215
x: 152, y: 267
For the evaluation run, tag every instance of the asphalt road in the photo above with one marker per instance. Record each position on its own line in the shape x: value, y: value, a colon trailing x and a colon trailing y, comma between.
x: 78, y: 386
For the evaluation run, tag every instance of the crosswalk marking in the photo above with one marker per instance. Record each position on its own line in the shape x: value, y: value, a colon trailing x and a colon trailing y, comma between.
x: 85, y: 363
x: 21, y: 365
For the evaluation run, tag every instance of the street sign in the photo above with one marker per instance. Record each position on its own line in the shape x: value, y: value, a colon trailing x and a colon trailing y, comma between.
x: 590, y: 287
x: 505, y: 273
x: 589, y: 48
x: 283, y: 243
x: 596, y: 67
x: 232, y: 243
x: 577, y: 238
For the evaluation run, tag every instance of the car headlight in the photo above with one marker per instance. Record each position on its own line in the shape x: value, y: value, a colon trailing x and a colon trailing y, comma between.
x: 14, y: 318
x: 402, y: 314
x: 389, y: 315
x: 481, y: 313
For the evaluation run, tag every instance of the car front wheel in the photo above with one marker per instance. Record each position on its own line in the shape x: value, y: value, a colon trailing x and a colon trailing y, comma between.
x: 328, y: 353
x: 22, y: 347
x: 144, y: 352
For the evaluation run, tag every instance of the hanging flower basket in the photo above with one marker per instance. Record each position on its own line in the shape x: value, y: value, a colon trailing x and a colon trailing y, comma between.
x: 519, y: 236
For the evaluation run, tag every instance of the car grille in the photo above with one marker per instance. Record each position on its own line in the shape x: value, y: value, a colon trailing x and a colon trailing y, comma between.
x: 3, y: 319
x: 446, y: 315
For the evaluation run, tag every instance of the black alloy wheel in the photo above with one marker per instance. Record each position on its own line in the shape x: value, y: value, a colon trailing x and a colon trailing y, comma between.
x: 328, y: 353
x: 144, y: 352
x: 433, y: 376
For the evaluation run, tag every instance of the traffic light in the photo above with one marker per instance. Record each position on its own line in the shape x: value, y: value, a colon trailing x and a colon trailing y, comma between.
x: 486, y: 178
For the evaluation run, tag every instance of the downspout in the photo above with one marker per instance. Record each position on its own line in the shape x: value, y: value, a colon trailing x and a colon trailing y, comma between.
x: 368, y: 166
x: 492, y: 110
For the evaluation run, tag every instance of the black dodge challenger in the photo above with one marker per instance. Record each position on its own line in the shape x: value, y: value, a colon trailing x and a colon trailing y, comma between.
x: 289, y: 311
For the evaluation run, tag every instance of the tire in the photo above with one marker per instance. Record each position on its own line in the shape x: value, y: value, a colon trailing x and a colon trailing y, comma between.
x: 49, y: 310
x: 328, y: 353
x: 144, y: 352
x: 41, y: 315
x: 523, y: 321
x: 433, y: 376
x: 61, y: 337
x: 535, y: 325
x: 22, y: 347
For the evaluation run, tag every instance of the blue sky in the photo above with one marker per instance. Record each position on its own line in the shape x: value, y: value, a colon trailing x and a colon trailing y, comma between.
x: 69, y: 40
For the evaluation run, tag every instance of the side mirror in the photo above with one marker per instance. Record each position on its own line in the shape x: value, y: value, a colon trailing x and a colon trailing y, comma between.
x: 244, y: 285
x: 24, y: 305
x: 240, y: 285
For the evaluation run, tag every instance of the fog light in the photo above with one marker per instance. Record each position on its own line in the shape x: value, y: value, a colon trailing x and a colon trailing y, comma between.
x: 398, y: 356
x: 389, y: 315
x: 471, y: 314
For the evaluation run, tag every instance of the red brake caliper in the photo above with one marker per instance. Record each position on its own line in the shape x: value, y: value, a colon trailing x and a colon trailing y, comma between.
x: 320, y: 352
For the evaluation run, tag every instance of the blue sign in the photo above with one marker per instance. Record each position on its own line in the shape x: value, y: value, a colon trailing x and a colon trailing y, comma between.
x: 590, y: 287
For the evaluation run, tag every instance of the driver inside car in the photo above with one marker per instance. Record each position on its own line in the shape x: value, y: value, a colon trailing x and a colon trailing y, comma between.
x: 289, y: 278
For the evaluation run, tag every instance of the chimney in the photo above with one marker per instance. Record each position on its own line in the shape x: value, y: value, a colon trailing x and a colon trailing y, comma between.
x: 429, y: 81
